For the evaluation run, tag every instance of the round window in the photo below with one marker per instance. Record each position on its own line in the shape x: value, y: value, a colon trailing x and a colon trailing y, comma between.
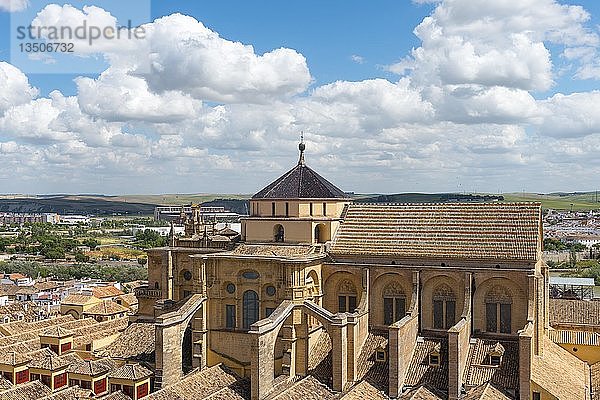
x: 250, y: 275
x: 187, y: 275
x: 270, y: 290
x: 230, y: 288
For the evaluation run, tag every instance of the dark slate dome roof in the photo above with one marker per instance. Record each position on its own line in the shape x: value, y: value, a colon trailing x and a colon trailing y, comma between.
x: 301, y: 182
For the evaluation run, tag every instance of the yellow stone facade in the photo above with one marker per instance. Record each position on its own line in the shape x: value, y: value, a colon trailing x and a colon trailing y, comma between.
x: 260, y: 307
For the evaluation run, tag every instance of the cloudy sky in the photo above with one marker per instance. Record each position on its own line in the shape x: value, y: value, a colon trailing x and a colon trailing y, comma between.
x: 392, y: 96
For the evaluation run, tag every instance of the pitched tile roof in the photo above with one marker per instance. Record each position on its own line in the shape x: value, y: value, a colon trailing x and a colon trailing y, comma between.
x: 135, y: 343
x: 301, y: 182
x: 46, y: 359
x: 549, y: 371
x: 133, y: 372
x: 71, y: 358
x: 27, y: 391
x: 106, y: 307
x: 307, y: 388
x: 90, y: 367
x: 421, y: 373
x: 203, y: 384
x: 5, y: 384
x: 480, y: 231
x: 364, y: 390
x: 116, y: 396
x: 102, y: 292
x: 479, y: 370
x: 19, y: 327
x: 77, y: 299
x: 375, y: 372
x: 421, y: 393
x: 129, y: 298
x: 57, y: 332
x: 485, y: 392
x: 101, y: 330
x: 14, y: 358
x: 71, y: 393
x: 574, y: 312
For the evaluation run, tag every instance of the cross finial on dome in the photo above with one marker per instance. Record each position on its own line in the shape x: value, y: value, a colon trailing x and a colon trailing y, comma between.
x: 301, y: 147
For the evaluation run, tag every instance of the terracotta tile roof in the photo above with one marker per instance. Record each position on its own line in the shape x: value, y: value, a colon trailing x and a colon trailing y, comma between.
x: 478, y: 370
x: 71, y: 393
x: 115, y: 396
x: 46, y: 359
x: 100, y: 330
x: 419, y: 370
x: 57, y: 332
x: 202, y: 384
x: 106, y: 307
x: 137, y: 342
x: 364, y: 390
x: 27, y: 290
x: 21, y: 347
x: 574, y: 312
x: 8, y: 289
x: 48, y: 285
x: 71, y: 358
x: 77, y: 299
x: 26, y: 310
x: 14, y: 358
x: 485, y: 392
x: 5, y: 384
x: 574, y: 337
x: 89, y: 367
x: 103, y: 292
x: 319, y: 359
x: 421, y: 393
x: 20, y: 327
x: 27, y: 391
x: 480, y: 231
x: 129, y: 298
x: 595, y: 375
x: 549, y: 372
x: 307, y: 388
x: 375, y: 372
x: 237, y: 391
x: 133, y: 372
x: 301, y: 182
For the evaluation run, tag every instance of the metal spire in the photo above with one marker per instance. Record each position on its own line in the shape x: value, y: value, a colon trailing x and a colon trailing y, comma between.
x: 301, y: 147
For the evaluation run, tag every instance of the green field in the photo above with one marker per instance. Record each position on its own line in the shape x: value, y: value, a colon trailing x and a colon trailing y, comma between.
x: 558, y: 201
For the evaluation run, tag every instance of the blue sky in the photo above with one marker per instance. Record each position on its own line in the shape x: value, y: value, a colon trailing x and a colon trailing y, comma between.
x: 325, y: 32
x: 462, y: 104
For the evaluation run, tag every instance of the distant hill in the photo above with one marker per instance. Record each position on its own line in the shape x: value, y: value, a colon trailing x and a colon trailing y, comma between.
x: 93, y: 204
x: 429, y: 198
x: 65, y: 205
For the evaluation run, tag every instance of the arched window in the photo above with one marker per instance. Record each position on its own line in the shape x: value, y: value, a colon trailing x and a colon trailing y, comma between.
x: 250, y: 308
x: 394, y: 303
x: 498, y: 305
x: 156, y: 285
x: 346, y: 296
x: 444, y: 307
x: 278, y: 233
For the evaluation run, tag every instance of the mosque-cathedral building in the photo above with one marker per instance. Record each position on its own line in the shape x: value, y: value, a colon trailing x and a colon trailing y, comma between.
x: 322, y: 297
